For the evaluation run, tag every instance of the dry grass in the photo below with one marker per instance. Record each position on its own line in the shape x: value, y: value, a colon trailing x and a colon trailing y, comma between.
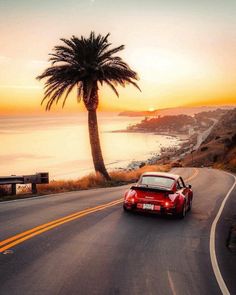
x: 4, y: 190
x: 96, y: 180
x: 232, y: 164
x: 60, y: 186
x: 129, y: 176
x: 226, y: 167
x: 232, y: 160
x: 229, y: 162
x: 84, y: 183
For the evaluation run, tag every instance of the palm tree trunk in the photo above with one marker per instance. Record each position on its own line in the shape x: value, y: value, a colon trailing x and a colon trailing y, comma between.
x: 95, y: 144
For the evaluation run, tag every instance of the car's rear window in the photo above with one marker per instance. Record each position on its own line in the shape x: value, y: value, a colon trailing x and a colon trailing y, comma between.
x: 157, y: 181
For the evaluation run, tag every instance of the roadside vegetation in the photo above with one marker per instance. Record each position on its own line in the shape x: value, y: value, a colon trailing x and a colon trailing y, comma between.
x: 90, y: 181
x: 97, y: 180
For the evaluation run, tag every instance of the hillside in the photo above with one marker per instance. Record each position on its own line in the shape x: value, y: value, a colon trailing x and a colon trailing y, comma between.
x: 179, y: 124
x: 219, y: 149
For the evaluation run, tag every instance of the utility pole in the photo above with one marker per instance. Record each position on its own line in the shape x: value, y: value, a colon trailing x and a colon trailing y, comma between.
x: 192, y: 151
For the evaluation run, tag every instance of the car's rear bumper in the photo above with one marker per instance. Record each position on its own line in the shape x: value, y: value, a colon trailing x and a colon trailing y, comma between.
x: 162, y: 211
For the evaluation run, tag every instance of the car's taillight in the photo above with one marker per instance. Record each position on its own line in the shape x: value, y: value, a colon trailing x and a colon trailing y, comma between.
x: 172, y: 197
x: 169, y: 201
x: 130, y: 197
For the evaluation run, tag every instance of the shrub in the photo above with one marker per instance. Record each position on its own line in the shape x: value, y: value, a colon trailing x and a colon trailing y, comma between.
x: 233, y: 140
x: 4, y: 190
x: 176, y: 164
x: 96, y: 180
x: 215, y: 158
x: 204, y: 148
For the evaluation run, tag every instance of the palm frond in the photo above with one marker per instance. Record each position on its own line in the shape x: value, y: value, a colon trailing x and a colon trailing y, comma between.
x: 79, y: 91
x: 82, y: 63
x: 112, y: 87
x: 107, y: 54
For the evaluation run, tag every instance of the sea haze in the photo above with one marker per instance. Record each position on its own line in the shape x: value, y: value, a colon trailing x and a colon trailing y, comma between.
x: 60, y: 144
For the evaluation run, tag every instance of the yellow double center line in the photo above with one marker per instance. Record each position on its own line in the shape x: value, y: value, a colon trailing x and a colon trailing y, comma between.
x: 26, y: 235
x: 196, y: 171
x: 19, y: 238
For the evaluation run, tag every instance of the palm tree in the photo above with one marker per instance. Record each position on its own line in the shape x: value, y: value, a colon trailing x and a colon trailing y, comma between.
x: 84, y: 63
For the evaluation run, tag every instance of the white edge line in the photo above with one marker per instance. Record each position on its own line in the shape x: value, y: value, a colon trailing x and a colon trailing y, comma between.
x: 214, y: 262
x: 171, y: 283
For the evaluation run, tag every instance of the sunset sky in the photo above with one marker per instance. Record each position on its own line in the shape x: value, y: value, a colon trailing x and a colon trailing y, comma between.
x: 183, y: 51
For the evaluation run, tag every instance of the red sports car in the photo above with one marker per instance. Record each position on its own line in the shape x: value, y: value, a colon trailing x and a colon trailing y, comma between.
x: 158, y: 192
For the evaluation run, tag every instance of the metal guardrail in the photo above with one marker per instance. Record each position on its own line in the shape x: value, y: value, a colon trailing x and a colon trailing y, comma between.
x: 13, y: 180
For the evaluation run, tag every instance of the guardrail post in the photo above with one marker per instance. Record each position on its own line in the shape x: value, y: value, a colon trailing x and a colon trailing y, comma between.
x: 34, y: 188
x: 13, y: 189
x: 13, y: 180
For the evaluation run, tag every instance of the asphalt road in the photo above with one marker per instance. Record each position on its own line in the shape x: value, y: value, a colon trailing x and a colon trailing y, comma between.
x: 109, y: 251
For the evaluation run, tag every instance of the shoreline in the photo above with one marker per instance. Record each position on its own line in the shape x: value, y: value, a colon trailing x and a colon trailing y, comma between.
x: 182, y: 136
x: 156, y: 157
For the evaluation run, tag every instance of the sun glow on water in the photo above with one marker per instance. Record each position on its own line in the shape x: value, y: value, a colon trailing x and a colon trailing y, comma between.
x: 60, y: 144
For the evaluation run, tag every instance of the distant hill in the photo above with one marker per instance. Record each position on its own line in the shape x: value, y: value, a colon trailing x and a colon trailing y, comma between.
x: 180, y: 124
x: 190, y: 111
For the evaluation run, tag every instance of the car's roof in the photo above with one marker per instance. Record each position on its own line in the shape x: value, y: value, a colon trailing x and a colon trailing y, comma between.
x: 161, y: 174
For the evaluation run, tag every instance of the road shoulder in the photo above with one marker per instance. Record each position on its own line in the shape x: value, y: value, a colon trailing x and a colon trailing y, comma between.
x: 226, y: 257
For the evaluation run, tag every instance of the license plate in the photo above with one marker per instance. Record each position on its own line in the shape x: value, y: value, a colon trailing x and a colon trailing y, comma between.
x: 148, y: 206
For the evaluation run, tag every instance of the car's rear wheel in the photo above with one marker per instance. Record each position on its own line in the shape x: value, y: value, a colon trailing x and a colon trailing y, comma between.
x: 125, y: 209
x: 190, y: 204
x: 183, y: 211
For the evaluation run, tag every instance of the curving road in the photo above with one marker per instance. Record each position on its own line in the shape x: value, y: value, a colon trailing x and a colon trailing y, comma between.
x: 106, y: 251
x: 202, y: 136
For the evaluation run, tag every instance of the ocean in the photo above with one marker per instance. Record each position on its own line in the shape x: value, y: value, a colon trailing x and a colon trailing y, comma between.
x: 59, y: 144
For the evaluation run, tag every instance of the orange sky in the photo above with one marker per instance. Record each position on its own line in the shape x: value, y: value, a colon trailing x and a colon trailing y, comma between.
x: 184, y: 54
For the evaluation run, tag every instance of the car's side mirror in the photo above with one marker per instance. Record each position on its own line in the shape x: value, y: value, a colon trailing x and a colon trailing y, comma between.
x: 189, y: 186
